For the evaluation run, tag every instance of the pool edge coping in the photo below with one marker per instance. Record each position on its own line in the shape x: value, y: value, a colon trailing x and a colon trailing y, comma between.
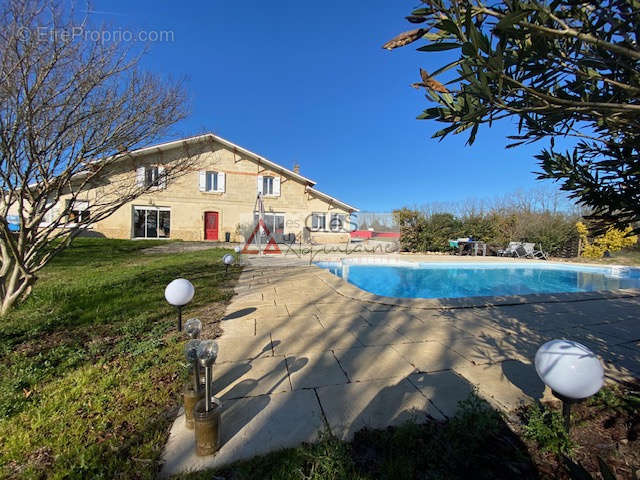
x: 352, y: 292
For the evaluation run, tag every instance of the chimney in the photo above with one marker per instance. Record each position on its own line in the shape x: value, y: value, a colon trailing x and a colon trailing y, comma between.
x: 296, y: 168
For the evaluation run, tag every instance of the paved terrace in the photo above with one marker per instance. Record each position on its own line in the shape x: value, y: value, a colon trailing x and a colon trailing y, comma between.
x: 303, y: 351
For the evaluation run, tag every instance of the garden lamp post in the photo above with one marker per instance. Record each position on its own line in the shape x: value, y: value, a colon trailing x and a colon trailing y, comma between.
x: 207, y: 354
x: 191, y: 353
x: 178, y: 293
x: 571, y: 370
x: 227, y: 260
x: 207, y: 411
x: 192, y: 390
x: 237, y: 249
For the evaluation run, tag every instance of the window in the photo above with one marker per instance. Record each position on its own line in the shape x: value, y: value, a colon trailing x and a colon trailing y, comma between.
x: 274, y: 222
x: 337, y: 223
x: 318, y: 221
x: 78, y: 211
x: 212, y: 182
x: 151, y: 177
x: 151, y: 222
x: 269, y: 186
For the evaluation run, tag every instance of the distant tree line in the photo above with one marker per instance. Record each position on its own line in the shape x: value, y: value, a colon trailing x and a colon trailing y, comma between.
x: 540, y: 216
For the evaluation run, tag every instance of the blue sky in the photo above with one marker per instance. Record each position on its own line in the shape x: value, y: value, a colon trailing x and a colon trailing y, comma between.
x: 308, y: 82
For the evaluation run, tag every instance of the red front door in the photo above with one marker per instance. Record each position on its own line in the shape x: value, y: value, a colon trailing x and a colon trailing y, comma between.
x: 211, y: 226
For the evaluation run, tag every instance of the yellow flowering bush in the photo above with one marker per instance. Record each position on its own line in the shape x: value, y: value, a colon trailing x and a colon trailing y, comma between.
x: 612, y: 241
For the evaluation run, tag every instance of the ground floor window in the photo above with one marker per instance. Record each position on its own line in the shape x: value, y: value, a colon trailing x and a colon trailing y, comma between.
x: 318, y: 221
x: 338, y: 222
x: 274, y: 222
x: 151, y: 222
x: 78, y: 212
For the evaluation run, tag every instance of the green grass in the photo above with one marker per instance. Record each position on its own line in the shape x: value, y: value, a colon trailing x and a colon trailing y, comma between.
x: 91, y: 366
x: 476, y: 443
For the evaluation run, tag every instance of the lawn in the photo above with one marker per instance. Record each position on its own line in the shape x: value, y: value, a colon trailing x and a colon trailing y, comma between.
x: 91, y: 366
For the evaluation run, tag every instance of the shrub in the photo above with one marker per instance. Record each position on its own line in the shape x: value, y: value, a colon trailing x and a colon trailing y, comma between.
x: 422, y: 232
x: 546, y: 428
x: 612, y: 240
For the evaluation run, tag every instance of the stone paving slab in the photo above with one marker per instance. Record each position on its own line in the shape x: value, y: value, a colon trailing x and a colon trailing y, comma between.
x: 507, y: 384
x: 300, y: 344
x: 250, y: 426
x: 444, y: 389
x: 371, y: 363
x: 393, y: 318
x: 313, y: 370
x: 373, y: 404
x: 444, y: 333
x: 233, y: 349
x: 481, y: 351
x: 379, y: 335
x: 429, y: 356
x: 626, y: 330
x: 248, y: 379
x: 239, y: 327
x: 287, y: 327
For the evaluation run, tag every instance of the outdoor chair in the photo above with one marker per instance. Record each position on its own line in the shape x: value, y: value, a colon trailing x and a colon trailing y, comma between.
x: 510, y: 251
x: 531, y: 252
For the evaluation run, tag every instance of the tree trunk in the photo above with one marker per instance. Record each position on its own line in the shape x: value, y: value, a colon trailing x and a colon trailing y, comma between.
x: 15, y: 285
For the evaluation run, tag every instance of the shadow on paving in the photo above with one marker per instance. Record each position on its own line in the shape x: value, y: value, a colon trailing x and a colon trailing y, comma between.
x: 345, y: 367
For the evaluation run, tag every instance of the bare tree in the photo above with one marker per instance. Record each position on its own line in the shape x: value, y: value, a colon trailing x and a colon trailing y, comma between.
x: 74, y: 109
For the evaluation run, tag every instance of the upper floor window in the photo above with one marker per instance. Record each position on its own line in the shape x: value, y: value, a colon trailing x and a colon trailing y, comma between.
x: 211, y: 181
x: 269, y: 185
x: 151, y: 176
x: 318, y: 221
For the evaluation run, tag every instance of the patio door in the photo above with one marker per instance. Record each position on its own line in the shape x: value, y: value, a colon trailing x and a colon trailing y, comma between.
x: 211, y: 225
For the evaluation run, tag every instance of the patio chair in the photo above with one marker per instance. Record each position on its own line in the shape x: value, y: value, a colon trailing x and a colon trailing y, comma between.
x: 510, y: 251
x: 531, y: 252
x: 540, y: 254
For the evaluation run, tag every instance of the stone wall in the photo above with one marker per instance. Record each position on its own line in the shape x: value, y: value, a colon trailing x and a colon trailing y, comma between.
x: 235, y: 206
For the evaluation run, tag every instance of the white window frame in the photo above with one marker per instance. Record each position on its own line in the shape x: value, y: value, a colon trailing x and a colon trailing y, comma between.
x: 211, y: 181
x: 315, y: 224
x: 149, y: 208
x: 152, y: 176
x: 272, y: 182
x: 267, y: 185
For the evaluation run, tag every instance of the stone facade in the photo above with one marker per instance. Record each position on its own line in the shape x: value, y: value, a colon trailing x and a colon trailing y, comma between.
x: 235, y: 205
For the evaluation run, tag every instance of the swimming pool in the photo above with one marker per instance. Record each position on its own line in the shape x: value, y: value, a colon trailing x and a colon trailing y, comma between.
x: 456, y: 280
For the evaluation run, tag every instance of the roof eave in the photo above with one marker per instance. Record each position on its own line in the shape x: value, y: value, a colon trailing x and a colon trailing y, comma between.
x: 346, y: 206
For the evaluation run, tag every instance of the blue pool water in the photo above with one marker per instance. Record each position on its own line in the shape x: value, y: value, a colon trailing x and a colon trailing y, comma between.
x: 447, y: 280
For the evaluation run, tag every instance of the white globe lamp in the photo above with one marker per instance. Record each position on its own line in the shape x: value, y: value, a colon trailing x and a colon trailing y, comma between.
x: 228, y: 259
x: 178, y: 293
x: 571, y: 370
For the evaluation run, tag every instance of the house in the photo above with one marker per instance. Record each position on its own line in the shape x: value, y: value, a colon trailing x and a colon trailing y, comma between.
x: 216, y: 198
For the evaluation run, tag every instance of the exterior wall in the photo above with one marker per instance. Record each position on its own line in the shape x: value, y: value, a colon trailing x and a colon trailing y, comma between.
x: 235, y: 206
